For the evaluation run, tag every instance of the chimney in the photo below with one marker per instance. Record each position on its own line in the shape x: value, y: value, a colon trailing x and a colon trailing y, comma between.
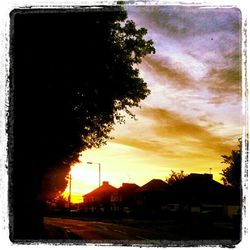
x: 105, y: 183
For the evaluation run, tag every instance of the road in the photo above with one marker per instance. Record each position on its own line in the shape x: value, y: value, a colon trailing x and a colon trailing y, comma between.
x: 97, y: 231
x: 156, y: 233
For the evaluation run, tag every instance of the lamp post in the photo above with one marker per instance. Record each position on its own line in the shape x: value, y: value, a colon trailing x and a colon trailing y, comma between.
x: 99, y: 167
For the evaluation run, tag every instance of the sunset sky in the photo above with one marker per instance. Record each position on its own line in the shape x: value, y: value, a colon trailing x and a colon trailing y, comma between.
x: 193, y: 114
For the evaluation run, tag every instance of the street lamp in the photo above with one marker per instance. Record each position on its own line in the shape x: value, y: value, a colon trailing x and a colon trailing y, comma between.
x: 99, y: 166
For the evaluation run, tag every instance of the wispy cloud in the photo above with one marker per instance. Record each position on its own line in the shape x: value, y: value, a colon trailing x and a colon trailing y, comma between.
x: 196, y: 47
x: 171, y: 125
x: 171, y: 72
x: 225, y: 85
x: 146, y: 145
x: 224, y: 79
x: 189, y: 21
x: 175, y: 136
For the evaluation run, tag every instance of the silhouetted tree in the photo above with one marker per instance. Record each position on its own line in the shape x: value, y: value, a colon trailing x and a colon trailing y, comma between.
x: 232, y: 179
x: 175, y: 177
x: 232, y: 173
x: 73, y: 72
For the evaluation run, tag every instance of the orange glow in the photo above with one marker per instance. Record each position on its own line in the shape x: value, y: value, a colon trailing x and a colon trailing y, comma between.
x: 167, y: 142
x: 84, y: 180
x: 139, y: 168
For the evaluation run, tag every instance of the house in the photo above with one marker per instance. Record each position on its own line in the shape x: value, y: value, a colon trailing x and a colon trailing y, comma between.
x: 232, y: 207
x: 99, y: 200
x: 151, y: 197
x: 195, y: 196
x: 123, y: 199
x: 198, y: 194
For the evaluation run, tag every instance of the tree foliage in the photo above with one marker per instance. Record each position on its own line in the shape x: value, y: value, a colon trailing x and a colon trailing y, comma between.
x: 77, y: 73
x: 175, y: 177
x: 73, y: 73
x: 232, y: 173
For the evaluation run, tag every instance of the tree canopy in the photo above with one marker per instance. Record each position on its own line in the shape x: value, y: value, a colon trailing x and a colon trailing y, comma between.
x: 232, y: 173
x: 73, y: 72
x: 175, y: 177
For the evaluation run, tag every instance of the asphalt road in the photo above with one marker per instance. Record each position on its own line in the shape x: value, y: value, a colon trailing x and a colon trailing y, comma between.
x: 156, y: 233
x: 96, y: 231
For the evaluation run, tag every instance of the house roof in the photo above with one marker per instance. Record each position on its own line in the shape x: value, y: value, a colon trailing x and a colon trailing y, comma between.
x: 201, y: 181
x: 197, y: 187
x: 155, y: 185
x: 128, y: 187
x: 105, y: 188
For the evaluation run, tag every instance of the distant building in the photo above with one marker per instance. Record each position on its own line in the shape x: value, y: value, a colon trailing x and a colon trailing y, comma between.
x: 195, y: 195
x: 123, y: 199
x: 199, y: 193
x: 197, y: 188
x: 151, y: 196
x: 99, y: 200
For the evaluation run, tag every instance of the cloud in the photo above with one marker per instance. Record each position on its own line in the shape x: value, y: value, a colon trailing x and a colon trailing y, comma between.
x: 172, y: 73
x: 145, y: 144
x: 172, y: 125
x: 197, y: 62
x: 187, y: 21
x: 205, y: 119
x: 196, y: 48
x: 224, y: 81
x: 190, y: 21
x: 176, y: 137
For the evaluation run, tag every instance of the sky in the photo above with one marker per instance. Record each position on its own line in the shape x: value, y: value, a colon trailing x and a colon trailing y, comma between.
x: 193, y: 114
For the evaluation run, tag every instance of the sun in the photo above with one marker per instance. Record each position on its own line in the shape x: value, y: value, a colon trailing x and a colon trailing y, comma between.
x: 84, y: 180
